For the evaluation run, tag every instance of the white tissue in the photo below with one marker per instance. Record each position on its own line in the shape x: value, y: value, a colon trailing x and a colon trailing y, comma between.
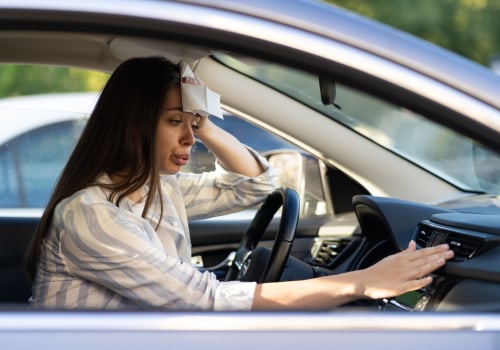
x: 197, y: 98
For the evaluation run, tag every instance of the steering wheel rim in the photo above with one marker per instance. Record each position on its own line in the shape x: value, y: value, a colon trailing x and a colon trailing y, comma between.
x: 276, y: 261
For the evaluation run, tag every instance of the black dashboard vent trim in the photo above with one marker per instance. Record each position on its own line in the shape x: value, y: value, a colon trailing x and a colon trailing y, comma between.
x: 464, y: 245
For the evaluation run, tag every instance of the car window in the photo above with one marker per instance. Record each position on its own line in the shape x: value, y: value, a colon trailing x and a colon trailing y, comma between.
x: 40, y: 130
x: 31, y: 162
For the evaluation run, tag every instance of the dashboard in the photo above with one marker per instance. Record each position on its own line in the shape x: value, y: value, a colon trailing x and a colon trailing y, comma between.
x: 468, y: 282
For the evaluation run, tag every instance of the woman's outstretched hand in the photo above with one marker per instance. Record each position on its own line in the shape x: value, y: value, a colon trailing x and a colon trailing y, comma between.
x: 403, y: 272
x: 392, y: 276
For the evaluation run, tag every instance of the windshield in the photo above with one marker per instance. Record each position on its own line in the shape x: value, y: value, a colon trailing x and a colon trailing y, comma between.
x: 447, y: 154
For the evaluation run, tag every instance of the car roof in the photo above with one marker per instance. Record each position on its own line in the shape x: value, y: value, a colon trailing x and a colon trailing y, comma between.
x: 31, y: 112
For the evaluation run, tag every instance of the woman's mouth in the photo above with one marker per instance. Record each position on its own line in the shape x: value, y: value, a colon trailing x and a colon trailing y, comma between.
x: 181, y: 160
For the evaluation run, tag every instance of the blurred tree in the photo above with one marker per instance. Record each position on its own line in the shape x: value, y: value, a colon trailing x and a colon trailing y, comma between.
x: 470, y: 28
x: 32, y: 79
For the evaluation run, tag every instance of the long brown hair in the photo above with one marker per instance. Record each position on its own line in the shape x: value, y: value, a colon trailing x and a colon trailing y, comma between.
x: 119, y: 139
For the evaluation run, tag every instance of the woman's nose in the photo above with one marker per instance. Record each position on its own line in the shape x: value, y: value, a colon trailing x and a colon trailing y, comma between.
x: 188, y: 136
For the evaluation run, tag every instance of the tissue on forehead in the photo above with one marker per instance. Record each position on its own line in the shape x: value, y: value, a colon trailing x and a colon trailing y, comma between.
x: 197, y: 98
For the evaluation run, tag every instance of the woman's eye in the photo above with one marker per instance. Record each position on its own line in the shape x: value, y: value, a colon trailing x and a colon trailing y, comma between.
x: 195, y: 127
x: 175, y: 122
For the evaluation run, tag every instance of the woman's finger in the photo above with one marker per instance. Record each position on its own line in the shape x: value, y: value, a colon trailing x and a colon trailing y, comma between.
x: 439, y: 250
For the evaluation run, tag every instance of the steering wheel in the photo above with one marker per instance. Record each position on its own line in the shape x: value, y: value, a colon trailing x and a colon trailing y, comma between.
x: 256, y: 264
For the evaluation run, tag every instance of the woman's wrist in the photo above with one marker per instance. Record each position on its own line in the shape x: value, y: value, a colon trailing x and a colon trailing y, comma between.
x: 205, y: 128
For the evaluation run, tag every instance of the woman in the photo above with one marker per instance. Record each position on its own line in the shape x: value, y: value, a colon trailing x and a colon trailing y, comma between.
x: 114, y: 234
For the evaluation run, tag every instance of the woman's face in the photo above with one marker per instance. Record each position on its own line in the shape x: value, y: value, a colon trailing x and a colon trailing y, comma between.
x: 175, y: 133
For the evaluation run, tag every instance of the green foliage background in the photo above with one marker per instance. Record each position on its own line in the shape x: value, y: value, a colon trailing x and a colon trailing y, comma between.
x: 29, y: 79
x: 470, y: 28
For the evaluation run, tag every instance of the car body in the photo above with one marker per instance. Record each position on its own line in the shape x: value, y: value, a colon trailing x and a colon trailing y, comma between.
x: 398, y: 140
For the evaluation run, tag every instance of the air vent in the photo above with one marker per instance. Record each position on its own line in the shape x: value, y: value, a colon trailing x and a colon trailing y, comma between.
x: 464, y: 245
x: 325, y: 251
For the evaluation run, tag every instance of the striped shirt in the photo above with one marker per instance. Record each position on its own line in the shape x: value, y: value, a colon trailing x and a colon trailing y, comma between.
x: 100, y: 256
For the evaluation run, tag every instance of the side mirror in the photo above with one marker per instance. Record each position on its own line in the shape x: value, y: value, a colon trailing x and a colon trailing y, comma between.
x: 305, y: 174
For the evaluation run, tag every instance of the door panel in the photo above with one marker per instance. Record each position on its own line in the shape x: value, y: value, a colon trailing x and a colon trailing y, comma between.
x: 15, y: 234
